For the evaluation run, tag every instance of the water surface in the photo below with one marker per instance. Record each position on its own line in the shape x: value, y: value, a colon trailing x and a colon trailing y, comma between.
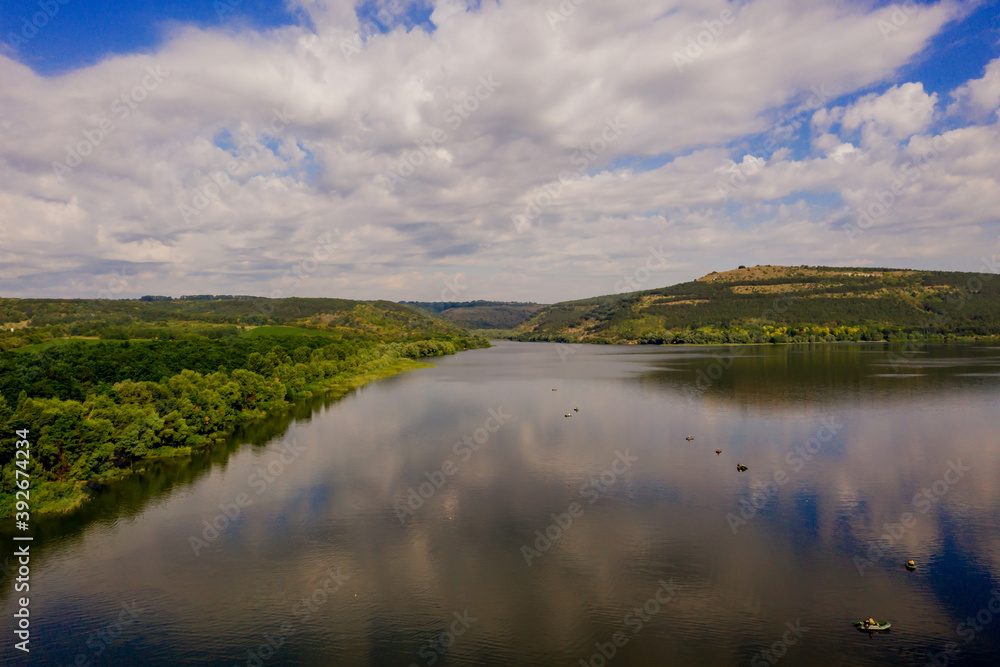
x: 406, y: 523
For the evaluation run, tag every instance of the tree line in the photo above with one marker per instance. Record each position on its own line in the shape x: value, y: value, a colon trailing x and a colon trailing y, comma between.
x: 815, y: 308
x: 213, y: 316
x: 94, y: 410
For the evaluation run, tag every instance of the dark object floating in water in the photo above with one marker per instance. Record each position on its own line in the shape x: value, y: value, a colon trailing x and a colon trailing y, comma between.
x: 911, y: 566
x: 741, y: 467
x: 718, y: 451
x: 555, y: 389
x: 690, y: 437
x: 568, y: 415
x: 872, y: 625
x: 576, y: 409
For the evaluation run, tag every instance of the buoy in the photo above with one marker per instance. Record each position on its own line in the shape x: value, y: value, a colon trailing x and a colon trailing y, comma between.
x: 910, y: 565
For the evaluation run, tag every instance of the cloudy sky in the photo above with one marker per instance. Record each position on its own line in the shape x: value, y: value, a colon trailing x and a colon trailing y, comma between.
x: 512, y: 149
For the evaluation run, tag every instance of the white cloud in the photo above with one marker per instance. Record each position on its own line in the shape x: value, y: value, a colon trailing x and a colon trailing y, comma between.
x: 980, y: 96
x: 900, y: 112
x: 360, y: 108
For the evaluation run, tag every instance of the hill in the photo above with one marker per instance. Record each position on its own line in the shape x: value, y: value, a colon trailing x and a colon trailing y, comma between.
x: 480, y: 314
x: 33, y: 321
x: 779, y: 304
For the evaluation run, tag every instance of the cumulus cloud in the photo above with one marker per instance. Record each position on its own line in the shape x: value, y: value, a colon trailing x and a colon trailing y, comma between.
x: 900, y: 112
x: 541, y: 159
x: 979, y: 97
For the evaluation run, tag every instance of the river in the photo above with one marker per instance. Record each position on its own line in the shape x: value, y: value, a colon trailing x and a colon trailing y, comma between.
x: 540, y: 504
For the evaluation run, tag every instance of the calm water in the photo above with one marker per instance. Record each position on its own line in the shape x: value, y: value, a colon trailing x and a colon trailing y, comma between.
x: 659, y: 552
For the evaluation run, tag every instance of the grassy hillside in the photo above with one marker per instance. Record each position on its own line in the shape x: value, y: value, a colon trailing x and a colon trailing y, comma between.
x: 480, y: 314
x: 32, y: 321
x: 783, y: 304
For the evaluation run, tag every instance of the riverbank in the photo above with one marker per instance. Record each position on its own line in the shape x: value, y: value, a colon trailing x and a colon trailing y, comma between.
x: 734, y: 342
x: 49, y: 497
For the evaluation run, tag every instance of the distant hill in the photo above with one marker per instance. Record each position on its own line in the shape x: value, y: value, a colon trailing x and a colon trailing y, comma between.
x: 480, y: 314
x: 38, y: 320
x: 783, y: 304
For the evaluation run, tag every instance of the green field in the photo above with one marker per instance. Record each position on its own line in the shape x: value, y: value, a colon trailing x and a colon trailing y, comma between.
x: 257, y: 332
x: 275, y: 330
x: 37, y: 321
x: 55, y: 342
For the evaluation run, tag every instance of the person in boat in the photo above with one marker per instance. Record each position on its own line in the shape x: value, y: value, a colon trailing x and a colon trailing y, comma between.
x: 869, y: 622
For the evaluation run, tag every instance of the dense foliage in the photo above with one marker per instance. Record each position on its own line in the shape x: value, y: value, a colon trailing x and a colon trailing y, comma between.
x: 441, y: 306
x: 480, y: 314
x: 784, y: 304
x: 94, y: 409
x: 40, y: 320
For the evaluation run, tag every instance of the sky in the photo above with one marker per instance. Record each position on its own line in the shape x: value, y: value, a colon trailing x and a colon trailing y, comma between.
x: 451, y: 150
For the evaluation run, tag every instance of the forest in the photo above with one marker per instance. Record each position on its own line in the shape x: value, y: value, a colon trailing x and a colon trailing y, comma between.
x: 33, y: 321
x: 783, y: 305
x: 95, y: 407
x: 480, y: 314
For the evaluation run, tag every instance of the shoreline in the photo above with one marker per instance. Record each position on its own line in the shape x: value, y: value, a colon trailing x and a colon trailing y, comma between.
x: 921, y: 341
x: 63, y: 497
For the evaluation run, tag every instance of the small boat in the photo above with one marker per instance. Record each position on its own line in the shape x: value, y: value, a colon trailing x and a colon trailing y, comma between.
x: 568, y: 415
x: 576, y: 409
x: 690, y: 437
x: 877, y: 626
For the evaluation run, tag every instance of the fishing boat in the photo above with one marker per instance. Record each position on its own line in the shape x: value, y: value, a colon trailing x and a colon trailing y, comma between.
x: 873, y: 626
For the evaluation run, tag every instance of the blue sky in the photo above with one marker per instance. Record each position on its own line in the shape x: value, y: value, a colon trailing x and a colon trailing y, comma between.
x: 83, y: 32
x: 364, y: 87
x: 959, y: 52
x: 80, y: 33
